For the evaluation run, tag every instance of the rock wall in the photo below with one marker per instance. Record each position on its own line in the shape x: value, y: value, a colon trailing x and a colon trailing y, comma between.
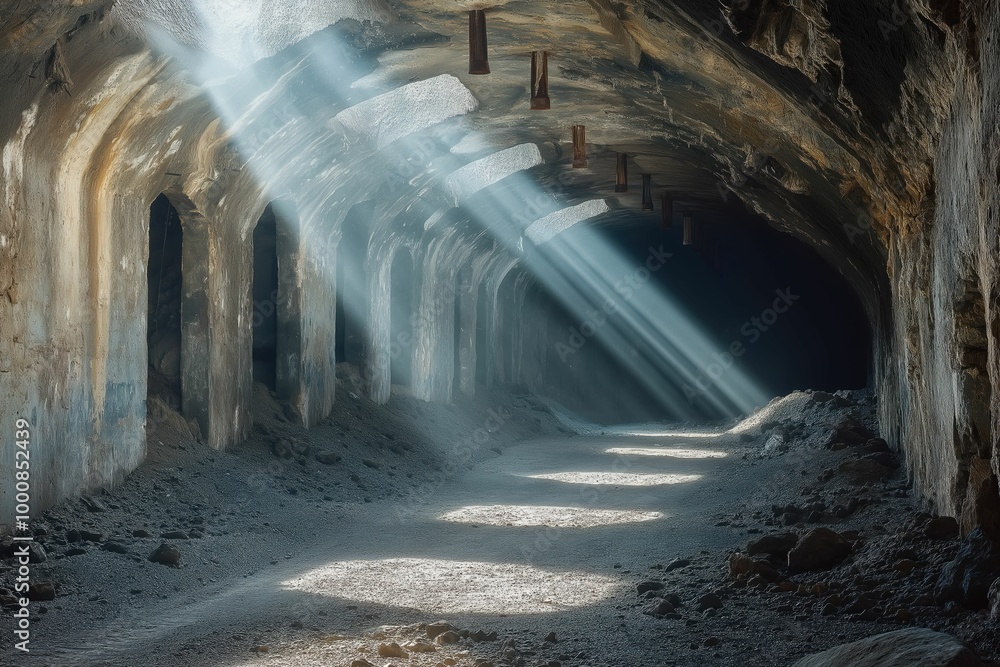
x: 866, y: 129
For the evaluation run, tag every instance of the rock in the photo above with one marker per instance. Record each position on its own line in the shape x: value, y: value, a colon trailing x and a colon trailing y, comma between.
x: 676, y: 564
x: 875, y: 446
x: 819, y: 549
x: 778, y: 544
x: 361, y: 663
x: 982, y: 500
x: 448, y: 637
x: 327, y: 457
x: 141, y: 533
x: 709, y: 601
x: 862, y: 471
x: 42, y: 591
x: 645, y: 586
x: 166, y: 554
x: 741, y: 564
x: 917, y: 647
x: 966, y: 580
x: 551, y: 638
x: 114, y: 547
x: 790, y: 518
x: 91, y: 536
x: 886, y: 459
x: 660, y: 608
x: 289, y: 449
x: 75, y: 551
x: 941, y: 528
x: 36, y: 553
x: 434, y: 629
x: 392, y: 650
x: 483, y: 636
x: 852, y: 432
x: 93, y: 504
x: 994, y: 599
x: 420, y: 647
x: 711, y: 641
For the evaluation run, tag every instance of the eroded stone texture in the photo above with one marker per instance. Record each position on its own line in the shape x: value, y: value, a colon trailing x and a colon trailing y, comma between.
x: 868, y: 130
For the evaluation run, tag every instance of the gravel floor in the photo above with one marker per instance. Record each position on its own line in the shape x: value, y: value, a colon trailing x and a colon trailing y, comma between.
x: 495, y: 518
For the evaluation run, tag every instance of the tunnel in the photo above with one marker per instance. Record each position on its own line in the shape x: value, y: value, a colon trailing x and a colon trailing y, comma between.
x: 574, y: 333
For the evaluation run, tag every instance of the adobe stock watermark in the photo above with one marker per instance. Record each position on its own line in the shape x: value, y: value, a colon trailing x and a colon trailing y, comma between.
x: 590, y: 495
x: 752, y: 331
x: 626, y: 287
x: 460, y: 454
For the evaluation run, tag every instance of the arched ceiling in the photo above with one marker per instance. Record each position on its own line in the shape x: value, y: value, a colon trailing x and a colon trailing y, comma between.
x: 784, y: 108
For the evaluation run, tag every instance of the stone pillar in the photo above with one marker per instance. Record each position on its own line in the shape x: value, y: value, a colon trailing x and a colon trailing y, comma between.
x: 466, y: 334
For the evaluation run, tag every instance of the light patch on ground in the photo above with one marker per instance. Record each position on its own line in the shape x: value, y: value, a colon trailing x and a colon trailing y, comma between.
x: 540, y: 515
x: 641, y: 432
x: 618, y: 478
x: 672, y: 452
x: 455, y: 587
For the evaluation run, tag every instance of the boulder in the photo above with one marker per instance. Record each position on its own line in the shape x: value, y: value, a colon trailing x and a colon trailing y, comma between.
x: 941, y: 528
x: 966, y: 580
x: 862, y: 472
x: 916, y: 647
x: 778, y: 544
x: 819, y: 549
x: 166, y: 554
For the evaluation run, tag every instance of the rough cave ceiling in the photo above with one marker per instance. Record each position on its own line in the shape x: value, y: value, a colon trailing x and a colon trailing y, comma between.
x: 760, y: 102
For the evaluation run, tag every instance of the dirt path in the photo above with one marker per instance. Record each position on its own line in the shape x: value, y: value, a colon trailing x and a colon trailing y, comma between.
x: 533, y: 554
x: 630, y: 503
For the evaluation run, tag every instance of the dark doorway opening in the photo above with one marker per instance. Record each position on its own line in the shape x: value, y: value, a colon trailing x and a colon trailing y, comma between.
x: 352, y: 295
x: 265, y: 299
x: 165, y: 289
